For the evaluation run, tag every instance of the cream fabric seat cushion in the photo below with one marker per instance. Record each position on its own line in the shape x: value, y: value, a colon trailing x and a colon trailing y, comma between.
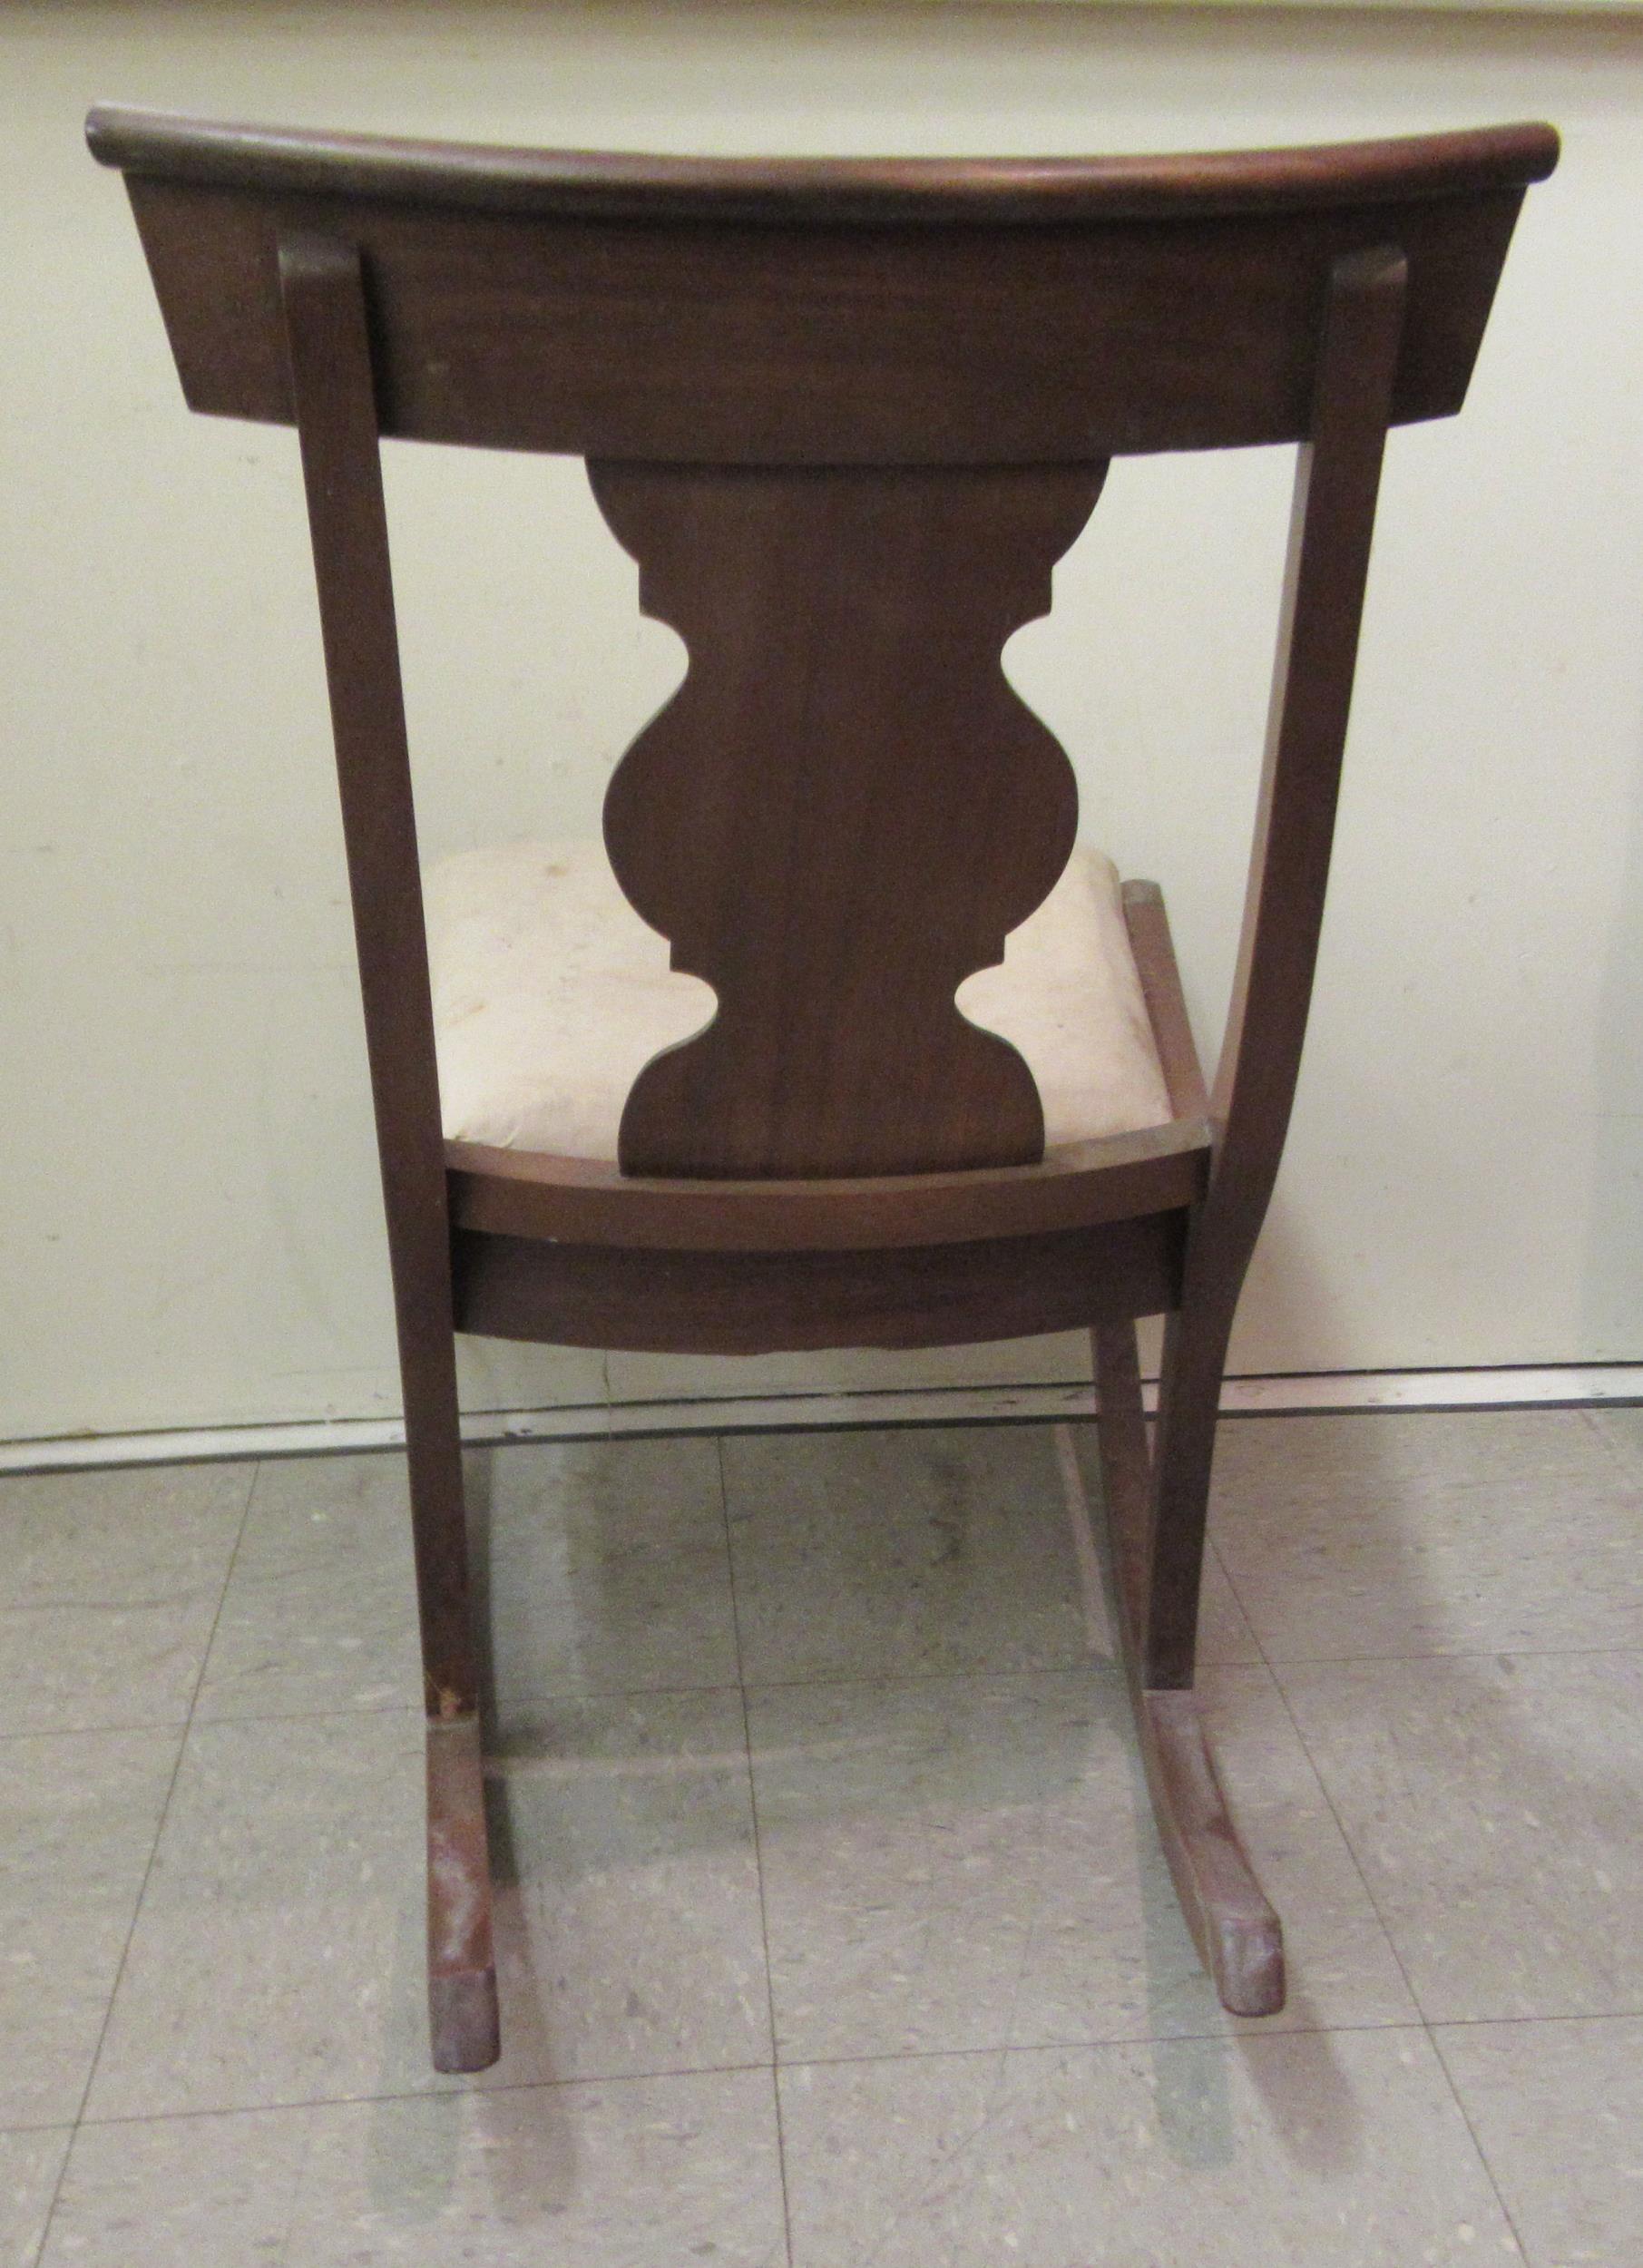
x: 551, y: 995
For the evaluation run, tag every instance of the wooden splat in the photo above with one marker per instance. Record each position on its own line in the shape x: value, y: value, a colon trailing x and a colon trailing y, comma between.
x: 844, y: 808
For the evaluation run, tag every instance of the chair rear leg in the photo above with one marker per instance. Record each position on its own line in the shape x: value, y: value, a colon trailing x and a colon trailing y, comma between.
x: 1190, y: 1396
x: 463, y: 2019
x: 1156, y: 1514
x: 462, y: 1966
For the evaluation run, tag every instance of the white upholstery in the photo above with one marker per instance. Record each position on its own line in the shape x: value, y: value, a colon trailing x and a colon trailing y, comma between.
x: 551, y: 995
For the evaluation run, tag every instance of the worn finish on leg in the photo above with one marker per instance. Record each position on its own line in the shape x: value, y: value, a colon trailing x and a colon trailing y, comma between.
x: 462, y: 1962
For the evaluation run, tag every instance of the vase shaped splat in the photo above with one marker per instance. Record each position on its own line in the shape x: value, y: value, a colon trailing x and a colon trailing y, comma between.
x: 844, y: 808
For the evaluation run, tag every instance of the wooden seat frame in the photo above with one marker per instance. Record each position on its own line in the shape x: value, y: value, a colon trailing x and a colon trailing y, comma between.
x: 845, y: 415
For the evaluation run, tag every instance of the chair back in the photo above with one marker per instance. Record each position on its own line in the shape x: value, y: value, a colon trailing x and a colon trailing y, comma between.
x: 845, y: 416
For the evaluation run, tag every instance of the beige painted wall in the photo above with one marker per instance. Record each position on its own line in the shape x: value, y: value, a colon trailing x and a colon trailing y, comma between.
x: 189, y: 1226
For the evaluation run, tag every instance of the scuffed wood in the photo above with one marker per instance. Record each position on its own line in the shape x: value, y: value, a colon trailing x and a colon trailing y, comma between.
x: 462, y: 1964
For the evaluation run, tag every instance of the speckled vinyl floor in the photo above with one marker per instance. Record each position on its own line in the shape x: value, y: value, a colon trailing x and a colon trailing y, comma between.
x: 833, y: 1926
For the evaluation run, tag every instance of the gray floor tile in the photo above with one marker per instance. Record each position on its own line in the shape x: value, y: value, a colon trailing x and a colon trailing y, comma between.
x: 172, y: 2193
x: 958, y: 1854
x: 1429, y: 1532
x: 1224, y: 1631
x: 631, y: 2173
x: 78, y: 1813
x: 1225, y: 1634
x: 1341, y: 2150
x: 29, y: 2166
x: 1620, y: 1426
x: 1558, y: 2111
x: 631, y: 1939
x: 110, y: 1584
x: 278, y: 1956
x: 974, y: 1863
x: 320, y: 1609
x: 1493, y: 1806
x: 599, y: 1567
x: 894, y: 1554
x: 603, y: 1568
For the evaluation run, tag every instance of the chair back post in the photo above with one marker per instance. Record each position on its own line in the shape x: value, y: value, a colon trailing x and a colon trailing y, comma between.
x: 1337, y: 480
x: 776, y: 370
x: 1332, y: 522
x: 322, y: 289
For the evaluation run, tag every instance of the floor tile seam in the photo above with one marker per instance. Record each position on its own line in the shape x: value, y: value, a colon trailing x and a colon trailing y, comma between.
x: 99, y: 1732
x: 1629, y: 1466
x: 178, y: 1723
x: 571, y: 1698
x: 148, y: 1870
x: 1392, y: 1947
x: 764, y: 1927
x: 210, y: 1720
x: 1229, y: 2035
x: 1078, y: 1668
x: 205, y: 1655
x: 568, y: 1700
x: 299, y: 2192
x: 1346, y: 1842
x: 1477, y: 2144
x: 1557, y: 2016
x: 390, y: 1709
x: 1214, y: 1551
x: 758, y: 1856
x: 1274, y: 1673
x: 178, y: 1602
x: 1275, y: 1663
x: 1275, y: 1680
x: 96, y: 2122
x: 37, y: 2253
x: 180, y: 1732
x: 1444, y: 1654
x: 1225, y: 2037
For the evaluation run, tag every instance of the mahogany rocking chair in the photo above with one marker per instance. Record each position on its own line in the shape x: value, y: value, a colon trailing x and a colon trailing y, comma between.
x: 845, y: 416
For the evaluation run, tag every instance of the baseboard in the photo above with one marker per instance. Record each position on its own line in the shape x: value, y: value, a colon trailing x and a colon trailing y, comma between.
x: 1547, y: 1386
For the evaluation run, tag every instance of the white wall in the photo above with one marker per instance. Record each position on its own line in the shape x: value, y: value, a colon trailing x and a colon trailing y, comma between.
x: 189, y: 1223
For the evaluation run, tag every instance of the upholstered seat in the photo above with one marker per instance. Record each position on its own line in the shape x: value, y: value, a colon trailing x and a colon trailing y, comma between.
x: 551, y: 995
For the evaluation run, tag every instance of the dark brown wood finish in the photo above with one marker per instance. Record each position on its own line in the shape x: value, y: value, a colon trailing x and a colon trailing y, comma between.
x: 1239, y: 1936
x: 1154, y: 950
x: 843, y: 810
x: 788, y: 192
x: 518, y: 1193
x: 331, y: 385
x: 795, y: 314
x: 763, y: 1303
x: 1337, y: 480
x: 845, y: 416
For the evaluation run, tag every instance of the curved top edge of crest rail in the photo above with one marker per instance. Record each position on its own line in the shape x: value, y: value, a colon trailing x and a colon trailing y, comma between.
x: 834, y: 191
